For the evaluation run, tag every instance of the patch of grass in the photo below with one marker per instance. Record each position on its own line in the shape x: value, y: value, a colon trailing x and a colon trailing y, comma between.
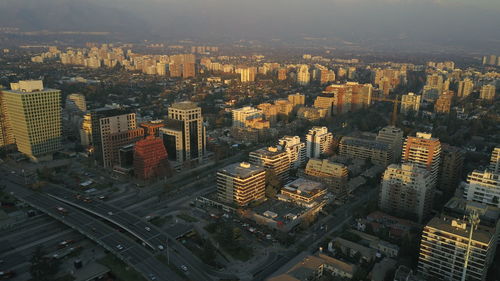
x: 120, y: 269
x: 187, y: 217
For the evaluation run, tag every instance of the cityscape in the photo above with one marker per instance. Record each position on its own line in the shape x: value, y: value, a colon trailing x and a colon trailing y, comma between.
x: 167, y: 140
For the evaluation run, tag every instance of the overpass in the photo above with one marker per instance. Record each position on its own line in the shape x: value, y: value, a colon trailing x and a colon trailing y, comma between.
x: 130, y: 252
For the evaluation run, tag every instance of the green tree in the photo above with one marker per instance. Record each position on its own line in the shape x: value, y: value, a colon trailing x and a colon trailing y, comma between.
x: 43, y: 268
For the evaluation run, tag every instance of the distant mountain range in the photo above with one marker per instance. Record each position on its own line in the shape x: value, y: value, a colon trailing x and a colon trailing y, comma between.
x: 65, y: 15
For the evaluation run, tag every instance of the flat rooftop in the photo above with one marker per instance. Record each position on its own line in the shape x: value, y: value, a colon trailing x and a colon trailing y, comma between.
x: 184, y: 105
x: 241, y: 170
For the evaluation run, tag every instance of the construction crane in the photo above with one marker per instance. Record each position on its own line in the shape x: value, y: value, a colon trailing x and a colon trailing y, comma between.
x: 396, y: 102
x: 473, y: 219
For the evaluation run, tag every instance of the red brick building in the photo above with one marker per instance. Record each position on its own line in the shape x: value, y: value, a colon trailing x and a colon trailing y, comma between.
x: 150, y: 158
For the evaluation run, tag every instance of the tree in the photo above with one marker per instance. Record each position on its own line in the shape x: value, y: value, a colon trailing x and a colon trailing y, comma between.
x: 43, y: 268
x: 208, y: 255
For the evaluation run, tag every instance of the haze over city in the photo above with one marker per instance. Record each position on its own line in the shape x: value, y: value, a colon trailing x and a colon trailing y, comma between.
x: 263, y: 140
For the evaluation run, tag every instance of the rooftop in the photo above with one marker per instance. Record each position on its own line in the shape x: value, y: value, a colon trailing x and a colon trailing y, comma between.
x: 450, y: 225
x: 241, y: 170
x: 185, y: 105
x: 304, y: 187
x: 370, y: 144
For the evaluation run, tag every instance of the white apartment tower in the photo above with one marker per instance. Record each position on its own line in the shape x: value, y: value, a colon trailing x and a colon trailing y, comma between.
x: 318, y: 142
x: 296, y: 150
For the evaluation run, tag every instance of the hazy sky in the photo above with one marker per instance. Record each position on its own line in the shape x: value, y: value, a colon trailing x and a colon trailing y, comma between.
x: 467, y: 22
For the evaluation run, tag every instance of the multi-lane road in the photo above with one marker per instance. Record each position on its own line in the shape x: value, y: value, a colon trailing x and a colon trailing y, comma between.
x: 124, y: 247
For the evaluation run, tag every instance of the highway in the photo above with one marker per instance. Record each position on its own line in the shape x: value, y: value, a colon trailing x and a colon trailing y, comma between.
x: 147, y: 233
x: 131, y: 252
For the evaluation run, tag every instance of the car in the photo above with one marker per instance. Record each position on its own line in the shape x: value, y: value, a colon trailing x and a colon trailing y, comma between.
x: 184, y: 268
x: 110, y: 213
x: 147, y: 228
x: 102, y: 197
x: 119, y: 247
x: 152, y: 276
x: 161, y: 247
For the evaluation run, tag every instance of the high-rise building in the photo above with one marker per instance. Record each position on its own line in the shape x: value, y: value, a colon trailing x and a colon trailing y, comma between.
x: 274, y: 160
x: 150, y: 158
x: 247, y: 74
x: 392, y: 136
x: 116, y: 131
x: 487, y: 92
x: 325, y: 101
x: 34, y: 113
x: 443, y: 103
x: 243, y: 114
x: 379, y: 153
x: 410, y: 103
x: 318, y: 142
x: 241, y: 183
x: 327, y: 76
x: 6, y: 135
x: 450, y: 170
x: 269, y: 111
x: 444, y: 245
x: 424, y: 151
x: 465, y: 88
x: 407, y: 191
x: 495, y: 160
x: 184, y: 134
x: 296, y: 150
x: 282, y: 74
x: 297, y: 100
x: 303, y: 75
x: 483, y: 187
x: 333, y: 175
x: 76, y: 103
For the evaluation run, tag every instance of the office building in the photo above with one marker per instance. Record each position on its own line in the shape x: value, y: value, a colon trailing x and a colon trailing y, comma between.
x: 241, y: 184
x: 318, y: 142
x: 334, y: 175
x: 296, y: 150
x: 443, y: 103
x: 150, y: 158
x: 34, y: 114
x: 116, y: 131
x: 444, y: 245
x: 424, y: 151
x: 303, y: 192
x: 241, y: 115
x: 184, y: 134
x: 495, y: 160
x: 465, y: 88
x: 303, y: 75
x: 483, y: 187
x: 274, y: 159
x: 379, y: 153
x: 392, y: 136
x: 487, y: 92
x: 450, y: 170
x: 6, y: 135
x: 410, y: 103
x: 406, y: 191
